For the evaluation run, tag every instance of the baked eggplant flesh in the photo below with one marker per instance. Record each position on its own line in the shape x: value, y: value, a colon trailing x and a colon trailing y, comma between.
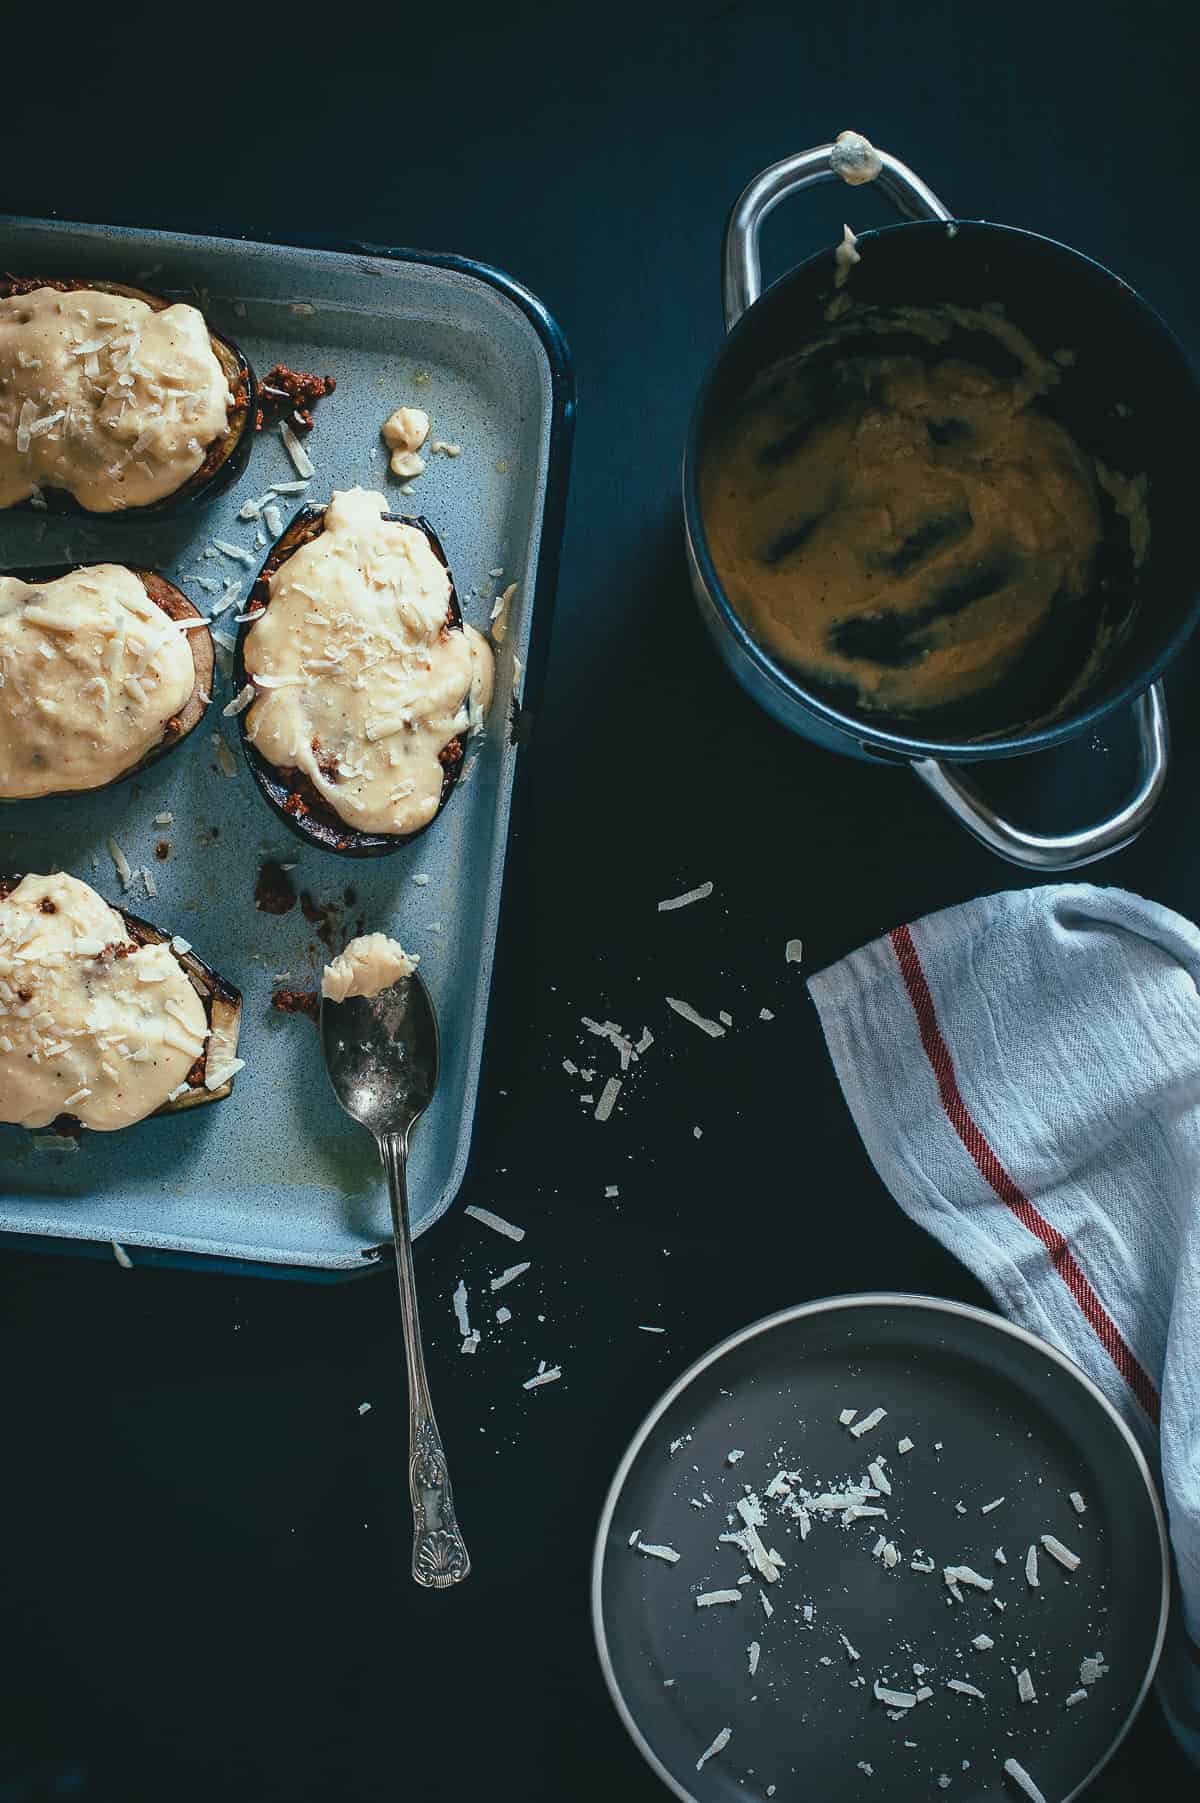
x: 225, y: 456
x: 289, y: 791
x: 184, y: 721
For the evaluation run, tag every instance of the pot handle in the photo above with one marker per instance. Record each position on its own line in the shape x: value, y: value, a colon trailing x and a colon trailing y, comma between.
x: 741, y: 273
x: 1064, y: 851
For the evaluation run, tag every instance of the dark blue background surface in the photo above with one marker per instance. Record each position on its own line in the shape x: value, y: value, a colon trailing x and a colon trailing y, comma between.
x: 204, y: 1562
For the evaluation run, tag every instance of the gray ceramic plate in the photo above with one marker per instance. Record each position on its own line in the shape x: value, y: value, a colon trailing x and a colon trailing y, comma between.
x: 277, y: 1173
x: 1015, y: 1420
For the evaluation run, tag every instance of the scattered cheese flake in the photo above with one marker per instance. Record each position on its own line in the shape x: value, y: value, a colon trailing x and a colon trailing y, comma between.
x: 164, y: 819
x: 753, y: 1654
x: 983, y: 1643
x: 916, y: 1564
x: 960, y: 1508
x: 924, y: 1692
x: 180, y: 946
x: 963, y: 1688
x: 683, y: 901
x: 460, y: 1308
x: 866, y: 1767
x: 643, y: 1329
x: 1091, y: 1668
x: 905, y: 1445
x: 123, y: 867
x: 879, y: 1477
x: 497, y: 1223
x: 1066, y: 1558
x: 867, y: 1423
x: 731, y: 1458
x: 364, y: 1408
x: 768, y: 1607
x: 235, y: 552
x: 1076, y: 1696
x: 964, y: 1574
x: 765, y: 1014
x: 1023, y: 1781
x: 611, y: 1190
x: 1025, y: 1691
x: 272, y: 519
x: 510, y: 1275
x: 986, y: 1508
x: 608, y: 1098
x: 793, y: 951
x: 666, y: 1553
x: 126, y: 1263
x: 503, y: 1315
x: 847, y: 1416
x: 471, y: 1343
x: 1031, y: 1568
x: 894, y: 1699
x: 1000, y: 1556
x: 543, y: 1377
x: 1077, y: 1503
x: 851, y: 1652
x: 301, y: 461
x: 240, y: 702
x: 55, y: 1142
x: 635, y: 1536
x: 718, y: 1746
x: 713, y: 1028
x: 711, y: 1597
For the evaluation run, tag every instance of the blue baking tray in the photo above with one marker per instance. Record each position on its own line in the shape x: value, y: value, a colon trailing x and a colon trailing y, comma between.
x: 276, y: 1176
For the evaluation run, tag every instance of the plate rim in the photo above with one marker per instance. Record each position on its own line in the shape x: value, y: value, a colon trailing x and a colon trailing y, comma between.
x: 831, y: 1305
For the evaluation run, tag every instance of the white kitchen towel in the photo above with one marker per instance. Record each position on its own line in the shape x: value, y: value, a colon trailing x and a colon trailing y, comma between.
x: 1025, y: 1073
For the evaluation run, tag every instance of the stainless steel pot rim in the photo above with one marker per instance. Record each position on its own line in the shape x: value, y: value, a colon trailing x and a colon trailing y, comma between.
x: 832, y: 1305
x: 907, y: 745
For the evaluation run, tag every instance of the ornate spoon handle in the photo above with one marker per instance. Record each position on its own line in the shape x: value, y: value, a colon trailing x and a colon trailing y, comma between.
x: 440, y: 1556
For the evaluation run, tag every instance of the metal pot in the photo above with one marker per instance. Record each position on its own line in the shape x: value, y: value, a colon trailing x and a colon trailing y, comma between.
x: 1131, y: 397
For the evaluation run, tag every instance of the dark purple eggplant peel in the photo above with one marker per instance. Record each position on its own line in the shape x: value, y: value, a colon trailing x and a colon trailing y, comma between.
x: 222, y: 1005
x: 175, y: 604
x: 225, y: 458
x: 289, y: 792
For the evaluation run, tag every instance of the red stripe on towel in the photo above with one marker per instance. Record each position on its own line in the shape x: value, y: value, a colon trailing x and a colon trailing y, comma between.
x: 1013, y: 1197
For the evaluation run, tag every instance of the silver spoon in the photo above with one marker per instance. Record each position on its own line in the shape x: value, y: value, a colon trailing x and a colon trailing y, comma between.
x: 381, y: 1053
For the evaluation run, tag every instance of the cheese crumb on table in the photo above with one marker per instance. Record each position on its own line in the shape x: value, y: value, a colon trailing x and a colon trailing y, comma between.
x: 498, y: 1225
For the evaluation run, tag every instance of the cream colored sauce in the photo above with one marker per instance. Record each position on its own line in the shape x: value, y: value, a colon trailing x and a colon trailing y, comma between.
x: 369, y: 965
x: 105, y: 398
x: 404, y: 432
x: 106, y: 1039
x: 91, y: 670
x: 845, y: 257
x: 855, y: 159
x: 353, y: 654
x: 909, y: 536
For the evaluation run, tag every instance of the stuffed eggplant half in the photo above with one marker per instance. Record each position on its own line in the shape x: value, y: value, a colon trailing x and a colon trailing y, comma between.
x: 357, y: 680
x: 103, y: 670
x: 104, y: 1019
x: 113, y: 400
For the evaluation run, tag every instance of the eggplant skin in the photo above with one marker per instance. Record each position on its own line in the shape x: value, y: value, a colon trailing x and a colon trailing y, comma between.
x: 226, y: 457
x: 176, y: 605
x: 222, y: 1010
x: 301, y: 806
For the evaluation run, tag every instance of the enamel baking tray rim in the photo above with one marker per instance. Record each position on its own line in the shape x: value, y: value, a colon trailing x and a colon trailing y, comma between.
x: 276, y: 1176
